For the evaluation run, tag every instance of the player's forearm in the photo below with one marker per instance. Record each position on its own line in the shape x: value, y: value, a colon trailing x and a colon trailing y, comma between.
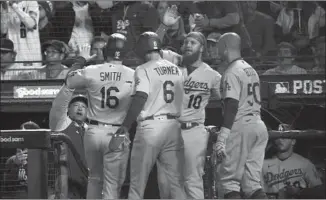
x: 135, y: 108
x: 161, y: 31
x: 230, y: 111
x: 27, y: 19
x: 230, y: 19
x: 58, y: 114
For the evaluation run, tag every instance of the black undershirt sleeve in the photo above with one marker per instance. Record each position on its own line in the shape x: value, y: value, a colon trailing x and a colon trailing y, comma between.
x: 137, y: 104
x: 230, y: 111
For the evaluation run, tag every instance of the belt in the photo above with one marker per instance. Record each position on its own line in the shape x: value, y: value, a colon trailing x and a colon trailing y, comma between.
x: 160, y: 117
x: 94, y: 122
x: 188, y: 125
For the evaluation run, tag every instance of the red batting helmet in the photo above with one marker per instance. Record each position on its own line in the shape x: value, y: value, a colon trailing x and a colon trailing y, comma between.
x: 147, y: 42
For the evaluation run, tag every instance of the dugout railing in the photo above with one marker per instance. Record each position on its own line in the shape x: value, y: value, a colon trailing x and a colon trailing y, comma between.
x: 44, y: 167
x: 42, y: 142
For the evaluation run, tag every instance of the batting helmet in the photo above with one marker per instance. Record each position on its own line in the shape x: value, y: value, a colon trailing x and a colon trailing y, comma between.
x: 147, y: 42
x: 115, y: 47
x: 78, y: 97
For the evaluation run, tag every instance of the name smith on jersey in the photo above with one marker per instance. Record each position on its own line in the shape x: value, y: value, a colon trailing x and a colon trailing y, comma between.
x: 110, y: 76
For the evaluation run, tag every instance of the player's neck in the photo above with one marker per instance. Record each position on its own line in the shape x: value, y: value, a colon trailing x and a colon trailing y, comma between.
x: 197, y: 63
x: 233, y: 56
x: 284, y: 155
x: 117, y: 62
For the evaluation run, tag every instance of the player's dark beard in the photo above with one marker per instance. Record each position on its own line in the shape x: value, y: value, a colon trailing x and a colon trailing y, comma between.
x: 190, y: 59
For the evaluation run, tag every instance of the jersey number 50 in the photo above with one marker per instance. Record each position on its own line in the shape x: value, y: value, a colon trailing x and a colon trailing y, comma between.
x: 252, y: 91
x: 110, y: 100
x: 168, y: 94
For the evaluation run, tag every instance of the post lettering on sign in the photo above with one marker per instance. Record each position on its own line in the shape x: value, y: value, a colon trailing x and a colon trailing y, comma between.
x: 308, y: 86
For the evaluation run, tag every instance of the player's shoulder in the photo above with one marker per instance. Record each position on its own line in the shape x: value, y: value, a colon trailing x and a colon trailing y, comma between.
x: 208, y: 69
x: 128, y: 70
x: 300, y: 159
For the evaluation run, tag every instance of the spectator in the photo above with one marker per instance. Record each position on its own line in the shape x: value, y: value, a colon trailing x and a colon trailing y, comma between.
x: 174, y: 34
x: 260, y: 29
x: 316, y: 22
x: 97, y: 47
x: 46, y: 12
x: 288, y: 174
x: 286, y: 53
x: 212, y: 52
x: 292, y: 24
x: 46, y: 9
x: 19, y: 21
x: 16, y: 170
x: 55, y: 52
x: 320, y: 53
x: 82, y: 32
x: 216, y: 16
x: 9, y: 69
x: 133, y: 18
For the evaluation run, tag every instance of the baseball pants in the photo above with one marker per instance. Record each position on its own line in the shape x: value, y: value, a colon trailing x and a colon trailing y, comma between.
x: 107, y: 169
x: 157, y: 141
x: 245, y: 151
x: 195, y: 146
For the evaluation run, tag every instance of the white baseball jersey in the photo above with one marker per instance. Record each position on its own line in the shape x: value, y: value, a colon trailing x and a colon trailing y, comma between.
x: 26, y: 41
x: 163, y: 82
x: 296, y: 171
x: 241, y: 82
x: 199, y: 86
x: 109, y: 88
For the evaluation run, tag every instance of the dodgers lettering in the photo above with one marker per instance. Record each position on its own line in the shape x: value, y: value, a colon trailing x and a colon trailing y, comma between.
x: 249, y: 71
x: 167, y: 70
x: 189, y: 84
x: 110, y: 76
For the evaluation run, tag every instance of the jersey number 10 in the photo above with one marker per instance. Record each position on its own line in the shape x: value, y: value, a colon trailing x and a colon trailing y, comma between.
x: 110, y: 100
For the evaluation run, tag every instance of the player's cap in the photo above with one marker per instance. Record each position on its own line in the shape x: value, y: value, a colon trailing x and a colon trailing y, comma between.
x: 6, y: 45
x: 286, y: 45
x: 29, y: 125
x: 48, y: 7
x: 115, y: 47
x: 147, y: 42
x: 213, y: 37
x: 79, y: 97
x: 57, y: 44
x: 284, y: 127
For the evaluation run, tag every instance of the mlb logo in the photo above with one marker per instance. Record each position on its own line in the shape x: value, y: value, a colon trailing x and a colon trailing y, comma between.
x: 281, y: 87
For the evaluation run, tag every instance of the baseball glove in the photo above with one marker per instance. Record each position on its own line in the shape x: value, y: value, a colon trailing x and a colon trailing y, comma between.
x: 119, y: 140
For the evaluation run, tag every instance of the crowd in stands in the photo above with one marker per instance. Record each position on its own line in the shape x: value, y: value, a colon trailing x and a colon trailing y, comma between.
x: 39, y: 39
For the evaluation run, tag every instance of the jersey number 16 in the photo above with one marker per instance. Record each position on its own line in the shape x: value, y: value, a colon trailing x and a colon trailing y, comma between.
x: 110, y: 100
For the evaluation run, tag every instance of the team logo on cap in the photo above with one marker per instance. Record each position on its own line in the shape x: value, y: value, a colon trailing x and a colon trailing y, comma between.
x: 155, y: 45
x: 117, y: 55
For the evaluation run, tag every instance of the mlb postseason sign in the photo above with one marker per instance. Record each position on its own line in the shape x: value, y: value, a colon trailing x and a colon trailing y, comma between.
x: 297, y: 85
x: 31, y: 92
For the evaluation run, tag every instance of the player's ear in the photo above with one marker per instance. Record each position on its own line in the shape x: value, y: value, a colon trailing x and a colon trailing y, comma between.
x: 294, y: 141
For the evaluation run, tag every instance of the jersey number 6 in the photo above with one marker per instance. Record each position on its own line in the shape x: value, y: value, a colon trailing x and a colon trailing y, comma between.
x: 168, y: 94
x: 110, y: 101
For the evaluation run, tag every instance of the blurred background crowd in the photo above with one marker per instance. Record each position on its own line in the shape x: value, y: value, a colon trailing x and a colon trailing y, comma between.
x: 39, y: 39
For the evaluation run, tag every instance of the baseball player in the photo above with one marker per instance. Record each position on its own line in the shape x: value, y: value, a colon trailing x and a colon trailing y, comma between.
x: 201, y: 84
x: 156, y: 104
x: 109, y: 87
x: 287, y: 174
x: 68, y: 115
x: 243, y: 136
